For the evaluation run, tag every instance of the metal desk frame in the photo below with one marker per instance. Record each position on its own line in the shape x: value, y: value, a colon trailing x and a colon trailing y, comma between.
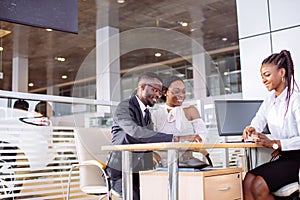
x: 173, y: 151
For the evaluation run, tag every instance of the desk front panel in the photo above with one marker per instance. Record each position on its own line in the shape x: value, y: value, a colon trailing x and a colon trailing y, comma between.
x: 211, y: 185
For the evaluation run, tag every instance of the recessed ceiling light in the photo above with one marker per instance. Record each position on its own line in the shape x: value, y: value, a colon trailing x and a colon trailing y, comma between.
x: 1, y: 49
x: 60, y: 59
x: 64, y: 76
x: 30, y: 84
x: 184, y: 24
x: 157, y: 54
x: 49, y: 29
x: 4, y: 33
x: 224, y: 39
x: 166, y: 72
x: 121, y: 1
x: 180, y: 75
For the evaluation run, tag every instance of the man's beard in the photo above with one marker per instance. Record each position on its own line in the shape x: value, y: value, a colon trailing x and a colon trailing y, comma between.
x: 149, y: 102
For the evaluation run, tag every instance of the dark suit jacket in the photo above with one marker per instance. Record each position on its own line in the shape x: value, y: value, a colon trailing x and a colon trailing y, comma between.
x: 129, y: 127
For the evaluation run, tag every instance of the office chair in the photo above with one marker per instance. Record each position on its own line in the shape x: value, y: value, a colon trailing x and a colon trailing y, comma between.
x: 93, y: 178
x: 290, y: 191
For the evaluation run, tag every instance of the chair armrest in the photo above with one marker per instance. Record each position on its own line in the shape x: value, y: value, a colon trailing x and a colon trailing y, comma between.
x: 98, y: 163
x: 101, y: 165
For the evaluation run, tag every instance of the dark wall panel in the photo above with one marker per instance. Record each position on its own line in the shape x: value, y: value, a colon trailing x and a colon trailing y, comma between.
x: 55, y: 14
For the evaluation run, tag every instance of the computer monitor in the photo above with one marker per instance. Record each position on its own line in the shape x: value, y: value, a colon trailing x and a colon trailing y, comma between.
x: 234, y: 115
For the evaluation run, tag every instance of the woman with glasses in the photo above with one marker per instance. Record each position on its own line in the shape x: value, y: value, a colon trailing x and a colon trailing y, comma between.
x: 179, y: 120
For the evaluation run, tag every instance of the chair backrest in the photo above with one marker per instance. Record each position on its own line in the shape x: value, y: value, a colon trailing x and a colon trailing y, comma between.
x: 88, y: 146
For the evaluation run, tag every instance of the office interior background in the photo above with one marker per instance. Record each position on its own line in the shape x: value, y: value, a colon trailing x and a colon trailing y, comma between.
x: 216, y: 46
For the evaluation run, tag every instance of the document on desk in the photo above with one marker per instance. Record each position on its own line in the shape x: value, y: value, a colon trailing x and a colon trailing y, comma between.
x: 164, y: 169
x: 237, y: 141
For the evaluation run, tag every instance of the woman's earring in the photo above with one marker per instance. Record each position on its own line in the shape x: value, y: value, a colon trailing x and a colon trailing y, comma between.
x: 283, y: 79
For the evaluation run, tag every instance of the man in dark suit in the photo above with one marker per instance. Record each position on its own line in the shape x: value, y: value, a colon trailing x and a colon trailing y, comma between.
x: 132, y: 125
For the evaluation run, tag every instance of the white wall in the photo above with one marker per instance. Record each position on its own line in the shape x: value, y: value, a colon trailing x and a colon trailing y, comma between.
x: 289, y: 39
x: 266, y: 27
x: 252, y: 17
x: 252, y: 52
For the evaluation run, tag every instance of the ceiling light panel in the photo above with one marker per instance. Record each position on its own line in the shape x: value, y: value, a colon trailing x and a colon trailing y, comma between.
x: 4, y: 33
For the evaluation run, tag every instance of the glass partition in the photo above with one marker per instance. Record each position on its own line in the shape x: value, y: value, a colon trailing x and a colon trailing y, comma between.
x: 114, y: 39
x: 37, y: 146
x: 76, y: 80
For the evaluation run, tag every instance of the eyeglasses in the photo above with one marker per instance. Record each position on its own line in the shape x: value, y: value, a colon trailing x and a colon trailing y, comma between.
x: 177, y: 91
x: 155, y: 89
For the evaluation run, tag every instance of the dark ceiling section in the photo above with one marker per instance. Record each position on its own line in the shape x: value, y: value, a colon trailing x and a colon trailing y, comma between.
x: 221, y: 22
x: 209, y: 22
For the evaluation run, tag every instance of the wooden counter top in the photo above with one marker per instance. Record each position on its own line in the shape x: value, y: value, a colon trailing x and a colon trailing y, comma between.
x: 175, y: 145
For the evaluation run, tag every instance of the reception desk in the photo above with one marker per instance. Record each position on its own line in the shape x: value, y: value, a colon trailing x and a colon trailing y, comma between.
x: 172, y: 149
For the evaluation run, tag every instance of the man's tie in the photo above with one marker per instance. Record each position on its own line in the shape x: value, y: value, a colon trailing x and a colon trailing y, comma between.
x: 147, y: 116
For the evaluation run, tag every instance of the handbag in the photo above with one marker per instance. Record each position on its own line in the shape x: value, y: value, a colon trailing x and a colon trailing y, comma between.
x: 188, y: 163
x: 195, y: 163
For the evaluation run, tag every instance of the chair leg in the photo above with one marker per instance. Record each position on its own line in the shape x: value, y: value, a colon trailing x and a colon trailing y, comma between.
x: 69, y: 182
x: 102, y: 197
x: 107, y: 197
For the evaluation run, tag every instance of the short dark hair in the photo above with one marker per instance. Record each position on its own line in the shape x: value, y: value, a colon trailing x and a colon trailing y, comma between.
x: 148, y: 75
x: 21, y: 104
x: 41, y: 108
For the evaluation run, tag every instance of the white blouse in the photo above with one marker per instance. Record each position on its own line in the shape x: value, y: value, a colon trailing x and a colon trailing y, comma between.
x: 175, y: 122
x: 284, y: 124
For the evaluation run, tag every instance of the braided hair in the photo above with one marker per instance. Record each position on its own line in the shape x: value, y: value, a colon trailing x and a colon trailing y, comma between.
x: 284, y: 60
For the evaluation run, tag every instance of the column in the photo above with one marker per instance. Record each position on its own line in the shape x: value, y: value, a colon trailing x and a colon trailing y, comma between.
x: 200, y: 59
x: 200, y: 62
x: 20, y: 60
x: 107, y: 55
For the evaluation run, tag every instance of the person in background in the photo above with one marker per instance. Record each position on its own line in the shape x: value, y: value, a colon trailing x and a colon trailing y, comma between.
x: 21, y: 104
x: 132, y: 124
x: 281, y: 111
x: 178, y: 119
x: 44, y: 108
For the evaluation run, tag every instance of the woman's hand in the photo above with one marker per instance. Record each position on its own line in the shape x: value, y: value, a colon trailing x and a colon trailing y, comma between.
x: 190, y: 138
x: 197, y: 138
x: 259, y: 138
x: 249, y: 131
x: 263, y: 140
